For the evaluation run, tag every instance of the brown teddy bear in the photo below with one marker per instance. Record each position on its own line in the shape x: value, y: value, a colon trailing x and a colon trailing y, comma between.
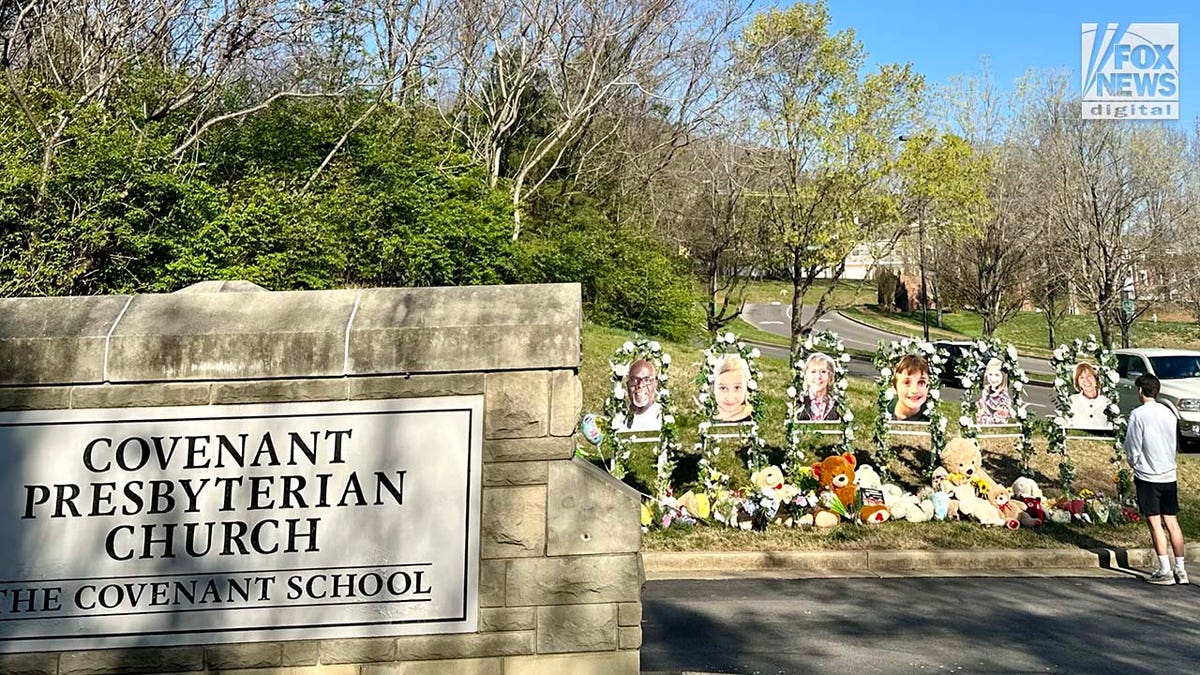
x: 961, y: 457
x: 1013, y: 510
x: 836, y: 475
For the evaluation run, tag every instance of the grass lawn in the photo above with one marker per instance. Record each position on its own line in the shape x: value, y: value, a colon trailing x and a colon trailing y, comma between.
x: 1027, y: 330
x: 748, y: 332
x: 1092, y: 461
x: 846, y: 293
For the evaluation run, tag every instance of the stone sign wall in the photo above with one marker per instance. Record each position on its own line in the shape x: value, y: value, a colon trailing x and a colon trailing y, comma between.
x: 559, y: 573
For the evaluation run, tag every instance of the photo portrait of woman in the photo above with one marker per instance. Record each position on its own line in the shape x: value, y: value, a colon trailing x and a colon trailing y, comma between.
x: 1088, y: 404
x: 995, y: 402
x: 731, y: 389
x: 910, y: 383
x: 816, y: 403
x: 641, y: 384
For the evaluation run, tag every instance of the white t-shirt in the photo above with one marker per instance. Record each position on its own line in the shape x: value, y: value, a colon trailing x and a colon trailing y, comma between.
x: 649, y: 419
x: 1150, y: 442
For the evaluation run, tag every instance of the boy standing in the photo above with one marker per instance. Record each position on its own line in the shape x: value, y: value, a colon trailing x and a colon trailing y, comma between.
x: 1150, y: 451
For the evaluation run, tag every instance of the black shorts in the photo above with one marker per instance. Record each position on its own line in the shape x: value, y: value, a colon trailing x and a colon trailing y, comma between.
x: 1156, y: 499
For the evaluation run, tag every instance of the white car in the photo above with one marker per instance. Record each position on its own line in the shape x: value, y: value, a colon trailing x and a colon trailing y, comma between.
x: 1179, y: 372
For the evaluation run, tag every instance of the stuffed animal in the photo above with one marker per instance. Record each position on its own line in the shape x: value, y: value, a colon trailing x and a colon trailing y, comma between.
x: 836, y: 475
x: 1078, y: 510
x: 974, y: 506
x: 961, y: 456
x: 905, y: 505
x: 1028, y: 492
x: 866, y: 477
x: 1013, y: 510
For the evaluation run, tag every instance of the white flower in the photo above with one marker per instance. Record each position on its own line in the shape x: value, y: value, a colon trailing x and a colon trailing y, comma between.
x: 889, y: 394
x: 885, y: 373
x: 654, y: 347
x: 741, y: 346
x: 728, y: 338
x: 619, y: 393
x: 849, y: 416
x: 1058, y: 419
x: 704, y: 397
x: 668, y: 419
x: 754, y: 353
x: 628, y: 347
x: 752, y: 385
x: 1113, y: 376
x: 666, y: 359
x: 1012, y: 352
x: 1018, y: 385
x: 1058, y: 382
x: 1114, y: 408
x: 808, y: 343
x: 705, y: 425
x: 927, y: 347
x: 712, y: 359
x: 905, y: 343
x: 791, y: 392
x: 942, y: 424
x: 620, y: 369
x: 964, y: 421
x: 842, y: 384
x: 664, y: 393
x: 840, y: 346
x: 935, y: 394
x: 845, y: 358
x: 1023, y: 412
x: 849, y: 434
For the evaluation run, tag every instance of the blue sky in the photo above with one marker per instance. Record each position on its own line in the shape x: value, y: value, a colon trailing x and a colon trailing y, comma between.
x: 942, y: 38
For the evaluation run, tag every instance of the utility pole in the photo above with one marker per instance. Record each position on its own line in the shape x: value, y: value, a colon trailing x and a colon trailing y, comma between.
x: 921, y: 259
x: 924, y: 289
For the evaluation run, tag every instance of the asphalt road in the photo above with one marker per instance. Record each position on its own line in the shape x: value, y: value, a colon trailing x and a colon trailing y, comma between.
x: 1112, y: 624
x: 774, y: 319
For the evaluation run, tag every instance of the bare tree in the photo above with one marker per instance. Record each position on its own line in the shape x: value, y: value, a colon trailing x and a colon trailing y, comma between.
x: 715, y: 219
x: 563, y: 63
x: 1110, y: 192
x: 986, y: 268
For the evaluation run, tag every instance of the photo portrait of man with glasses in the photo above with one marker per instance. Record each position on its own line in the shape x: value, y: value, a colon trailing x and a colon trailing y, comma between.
x: 645, y: 414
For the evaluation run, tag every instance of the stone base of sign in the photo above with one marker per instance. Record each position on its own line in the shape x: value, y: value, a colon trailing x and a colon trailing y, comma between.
x: 560, y: 572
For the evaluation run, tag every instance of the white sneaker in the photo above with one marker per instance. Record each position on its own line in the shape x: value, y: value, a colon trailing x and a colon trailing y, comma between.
x: 1161, y: 578
x: 1181, y: 576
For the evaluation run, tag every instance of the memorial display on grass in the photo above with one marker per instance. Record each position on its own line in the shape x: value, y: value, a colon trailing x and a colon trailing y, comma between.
x: 817, y: 406
x: 909, y: 387
x: 993, y: 403
x: 728, y: 398
x: 640, y: 409
x: 1086, y: 409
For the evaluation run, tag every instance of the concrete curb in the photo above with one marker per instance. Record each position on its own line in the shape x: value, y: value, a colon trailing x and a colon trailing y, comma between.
x: 706, y: 564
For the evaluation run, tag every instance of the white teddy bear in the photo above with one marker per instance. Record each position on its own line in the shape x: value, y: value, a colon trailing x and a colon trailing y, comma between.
x: 906, y: 505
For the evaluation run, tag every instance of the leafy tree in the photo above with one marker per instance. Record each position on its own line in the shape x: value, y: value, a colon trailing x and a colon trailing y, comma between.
x: 831, y: 132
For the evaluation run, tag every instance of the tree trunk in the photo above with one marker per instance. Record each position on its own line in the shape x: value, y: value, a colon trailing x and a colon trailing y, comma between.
x: 797, y: 327
x: 989, y: 323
